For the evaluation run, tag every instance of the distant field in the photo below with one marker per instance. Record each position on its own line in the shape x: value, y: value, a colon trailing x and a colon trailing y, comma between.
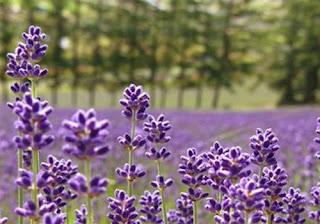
x: 242, y: 98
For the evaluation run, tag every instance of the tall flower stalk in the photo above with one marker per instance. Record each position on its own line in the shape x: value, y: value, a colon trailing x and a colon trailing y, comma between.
x: 157, y: 136
x: 22, y: 64
x: 135, y: 102
x: 86, y: 139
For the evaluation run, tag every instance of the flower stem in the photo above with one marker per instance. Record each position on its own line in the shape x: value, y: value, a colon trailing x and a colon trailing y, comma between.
x: 164, y: 209
x: 260, y: 171
x: 269, y: 217
x: 69, y: 213
x: 195, y: 212
x: 130, y: 156
x: 33, y: 87
x: 246, y: 217
x: 87, y: 169
x: 20, y: 191
x: 159, y: 167
x: 35, y: 171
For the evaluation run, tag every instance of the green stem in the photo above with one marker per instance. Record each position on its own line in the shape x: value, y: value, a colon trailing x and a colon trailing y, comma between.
x: 246, y: 218
x: 269, y: 217
x: 159, y: 167
x: 87, y: 169
x: 33, y: 87
x: 130, y: 156
x: 195, y: 212
x: 260, y: 171
x: 20, y: 191
x: 69, y: 213
x: 35, y: 171
x: 164, y: 209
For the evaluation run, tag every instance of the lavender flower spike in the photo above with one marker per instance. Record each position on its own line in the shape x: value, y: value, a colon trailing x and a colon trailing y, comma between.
x: 22, y: 63
x: 121, y: 209
x: 135, y: 102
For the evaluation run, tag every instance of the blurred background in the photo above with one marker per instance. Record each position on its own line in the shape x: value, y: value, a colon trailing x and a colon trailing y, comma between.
x: 188, y: 54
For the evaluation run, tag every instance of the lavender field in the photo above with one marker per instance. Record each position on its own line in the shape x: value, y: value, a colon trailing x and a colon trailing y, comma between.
x: 295, y: 129
x: 135, y: 165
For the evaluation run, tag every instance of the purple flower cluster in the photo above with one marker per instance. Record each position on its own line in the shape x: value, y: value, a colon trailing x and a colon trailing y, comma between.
x: 264, y: 145
x: 33, y: 123
x: 122, y: 209
x: 135, y: 102
x: 22, y: 63
x: 151, y: 207
x: 85, y: 135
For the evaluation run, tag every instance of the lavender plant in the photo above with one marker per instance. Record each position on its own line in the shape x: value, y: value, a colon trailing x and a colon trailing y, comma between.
x: 86, y: 139
x: 224, y: 178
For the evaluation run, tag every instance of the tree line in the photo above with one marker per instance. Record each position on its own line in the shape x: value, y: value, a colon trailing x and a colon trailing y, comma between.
x: 165, y: 44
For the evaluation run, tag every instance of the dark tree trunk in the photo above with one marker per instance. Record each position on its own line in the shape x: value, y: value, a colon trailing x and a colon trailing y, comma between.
x: 180, y: 97
x: 74, y: 96
x: 311, y: 85
x: 181, y: 89
x: 54, y: 95
x: 5, y: 94
x: 113, y: 98
x: 199, y: 93
x: 163, y: 99
x: 216, y: 95
x: 92, y: 97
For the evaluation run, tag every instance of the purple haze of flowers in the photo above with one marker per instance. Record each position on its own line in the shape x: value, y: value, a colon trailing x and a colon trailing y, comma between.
x: 85, y: 135
x: 135, y: 102
x: 33, y: 123
x: 81, y: 215
x: 151, y: 207
x: 264, y: 145
x: 22, y: 63
x: 122, y: 209
x: 315, y: 202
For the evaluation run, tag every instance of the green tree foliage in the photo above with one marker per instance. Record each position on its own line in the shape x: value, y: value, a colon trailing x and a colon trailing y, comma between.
x: 178, y: 44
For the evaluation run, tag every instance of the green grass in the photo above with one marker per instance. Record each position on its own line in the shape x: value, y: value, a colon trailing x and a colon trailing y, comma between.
x: 243, y: 97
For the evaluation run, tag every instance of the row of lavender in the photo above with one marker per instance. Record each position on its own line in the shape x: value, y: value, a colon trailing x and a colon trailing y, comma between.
x: 223, y: 184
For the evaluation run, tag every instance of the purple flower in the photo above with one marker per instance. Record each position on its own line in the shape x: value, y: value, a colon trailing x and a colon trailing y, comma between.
x: 85, y: 135
x: 3, y: 220
x: 95, y: 188
x: 121, y: 209
x: 151, y: 207
x: 131, y: 173
x: 33, y: 123
x: 54, y: 219
x: 264, y: 144
x: 130, y: 144
x: 29, y: 209
x: 315, y: 202
x: 22, y: 63
x: 192, y: 168
x: 161, y: 182
x: 59, y: 172
x: 295, y: 202
x: 157, y: 129
x: 20, y: 88
x: 184, y: 212
x: 233, y: 164
x: 135, y: 102
x: 81, y: 215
